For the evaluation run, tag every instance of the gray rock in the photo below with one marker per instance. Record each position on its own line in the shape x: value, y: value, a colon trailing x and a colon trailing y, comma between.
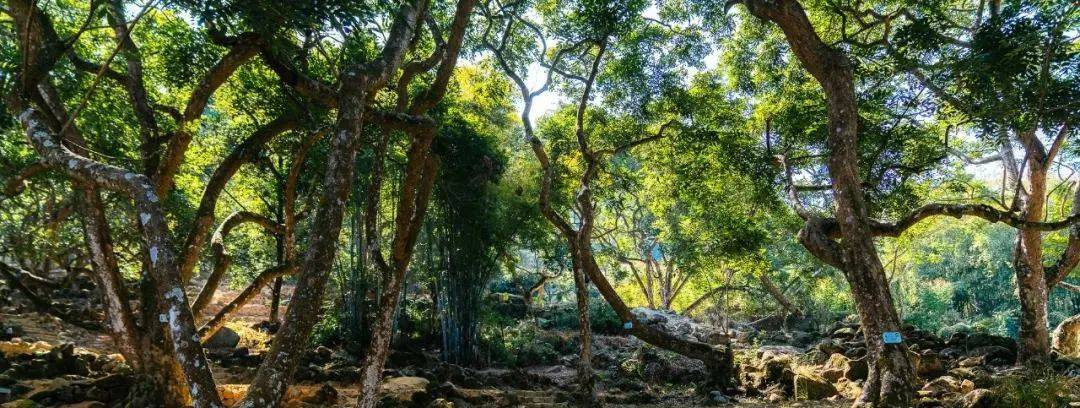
x: 224, y: 338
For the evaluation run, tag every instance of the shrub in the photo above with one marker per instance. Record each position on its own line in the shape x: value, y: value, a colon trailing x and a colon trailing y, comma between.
x: 526, y: 344
x: 602, y: 317
x: 1042, y: 388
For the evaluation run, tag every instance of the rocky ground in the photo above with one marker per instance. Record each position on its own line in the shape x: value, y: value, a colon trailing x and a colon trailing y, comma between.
x: 777, y: 364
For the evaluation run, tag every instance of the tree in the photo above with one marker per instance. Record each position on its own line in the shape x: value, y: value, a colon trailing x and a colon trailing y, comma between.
x: 244, y: 31
x: 585, y: 48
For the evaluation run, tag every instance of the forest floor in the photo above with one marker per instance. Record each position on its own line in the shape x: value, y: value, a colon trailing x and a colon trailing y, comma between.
x: 53, y: 363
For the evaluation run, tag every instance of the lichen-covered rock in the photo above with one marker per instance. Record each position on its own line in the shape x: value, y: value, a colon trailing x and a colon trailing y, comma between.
x: 930, y: 365
x: 402, y: 391
x: 14, y: 348
x: 980, y: 398
x: 1066, y: 338
x: 812, y: 387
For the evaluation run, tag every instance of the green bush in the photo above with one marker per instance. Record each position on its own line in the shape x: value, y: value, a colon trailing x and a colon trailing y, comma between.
x: 602, y: 317
x: 1041, y: 388
x: 526, y: 344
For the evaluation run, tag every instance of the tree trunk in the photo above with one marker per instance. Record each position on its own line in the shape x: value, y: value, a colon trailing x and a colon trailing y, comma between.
x: 586, y: 378
x: 892, y: 377
x: 777, y: 294
x: 304, y: 310
x: 1030, y: 273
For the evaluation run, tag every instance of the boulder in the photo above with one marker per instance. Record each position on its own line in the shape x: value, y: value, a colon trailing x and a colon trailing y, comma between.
x: 323, y: 395
x: 856, y: 369
x: 679, y: 325
x: 930, y: 365
x: 980, y: 398
x: 829, y: 347
x: 402, y: 391
x: 1066, y: 338
x: 812, y: 387
x: 943, y: 386
x: 17, y: 347
x: 441, y: 403
x: 993, y: 354
x: 844, y: 333
x: 224, y: 338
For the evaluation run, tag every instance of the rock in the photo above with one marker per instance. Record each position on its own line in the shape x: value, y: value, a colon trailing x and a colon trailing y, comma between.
x: 848, y: 389
x: 972, y: 361
x: 676, y: 324
x: 940, y: 387
x: 811, y: 387
x: 718, y: 398
x: 224, y: 338
x: 844, y: 333
x: 15, y: 348
x: 1066, y: 338
x: 930, y: 365
x: 829, y: 347
x: 980, y: 398
x: 856, y: 369
x: 978, y: 375
x: 10, y: 331
x: 832, y: 375
x: 994, y: 355
x: 441, y: 403
x: 85, y: 404
x: 322, y: 354
x: 323, y: 395
x: 21, y: 403
x: 402, y: 391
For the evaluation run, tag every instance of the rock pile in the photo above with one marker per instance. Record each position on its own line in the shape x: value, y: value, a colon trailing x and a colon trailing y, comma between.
x: 952, y: 372
x: 38, y: 373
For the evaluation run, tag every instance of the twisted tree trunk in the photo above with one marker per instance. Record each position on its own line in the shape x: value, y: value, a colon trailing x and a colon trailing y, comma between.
x: 892, y: 378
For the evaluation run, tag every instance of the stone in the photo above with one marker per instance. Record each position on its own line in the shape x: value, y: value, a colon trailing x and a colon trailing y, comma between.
x: 20, y: 403
x: 321, y: 395
x: 993, y: 354
x: 677, y: 325
x: 811, y: 387
x: 10, y: 331
x: 403, y: 390
x: 941, y: 387
x: 844, y: 333
x: 441, y: 403
x: 1066, y: 338
x: 856, y: 369
x: 16, y: 347
x: 224, y: 338
x: 980, y: 398
x: 718, y: 397
x: 830, y: 347
x: 832, y: 375
x: 930, y: 365
x: 972, y: 361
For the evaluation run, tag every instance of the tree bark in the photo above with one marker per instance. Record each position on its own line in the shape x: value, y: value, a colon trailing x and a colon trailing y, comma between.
x: 586, y: 378
x: 1030, y: 273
